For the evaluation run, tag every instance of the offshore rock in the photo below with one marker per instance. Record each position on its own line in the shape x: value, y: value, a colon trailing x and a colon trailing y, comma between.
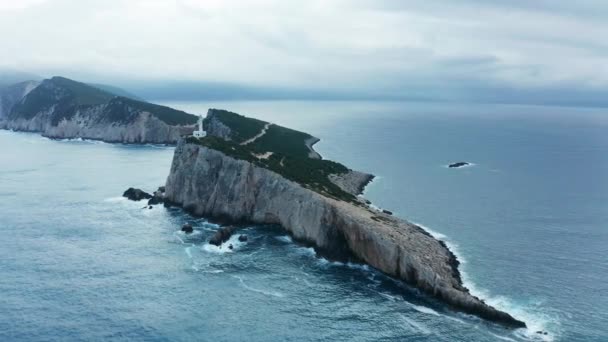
x: 187, y: 228
x: 207, y: 182
x: 458, y: 164
x: 222, y: 235
x: 136, y: 194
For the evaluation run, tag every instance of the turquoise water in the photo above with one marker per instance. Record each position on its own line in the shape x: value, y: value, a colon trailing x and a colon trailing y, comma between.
x: 528, y: 220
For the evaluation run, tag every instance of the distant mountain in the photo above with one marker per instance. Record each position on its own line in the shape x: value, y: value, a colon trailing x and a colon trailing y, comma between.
x: 10, y: 77
x: 63, y: 108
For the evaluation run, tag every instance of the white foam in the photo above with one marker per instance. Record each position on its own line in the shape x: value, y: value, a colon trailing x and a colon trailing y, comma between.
x: 264, y: 292
x: 115, y: 199
x: 213, y: 271
x: 188, y: 253
x: 223, y: 248
x: 425, y: 310
x: 306, y: 251
x: 416, y: 325
x: 284, y: 238
x: 389, y: 297
x: 534, y: 317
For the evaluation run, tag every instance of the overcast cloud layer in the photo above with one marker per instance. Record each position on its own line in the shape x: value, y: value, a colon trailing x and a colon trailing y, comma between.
x: 545, y: 51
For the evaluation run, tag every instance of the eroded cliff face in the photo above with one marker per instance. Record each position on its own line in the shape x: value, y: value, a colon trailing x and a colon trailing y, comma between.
x: 63, y: 108
x: 90, y: 123
x: 11, y: 95
x: 214, y: 126
x: 208, y: 183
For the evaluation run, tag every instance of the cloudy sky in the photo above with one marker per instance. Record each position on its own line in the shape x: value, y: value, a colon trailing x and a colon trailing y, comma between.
x: 494, y: 50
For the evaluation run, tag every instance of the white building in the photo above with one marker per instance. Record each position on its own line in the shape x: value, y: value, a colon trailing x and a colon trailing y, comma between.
x: 200, y: 133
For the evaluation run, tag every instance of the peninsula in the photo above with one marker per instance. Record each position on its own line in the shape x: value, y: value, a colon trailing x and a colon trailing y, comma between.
x: 248, y: 170
x: 64, y: 109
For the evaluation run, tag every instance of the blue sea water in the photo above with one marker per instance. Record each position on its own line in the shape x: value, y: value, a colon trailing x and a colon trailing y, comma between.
x: 528, y: 220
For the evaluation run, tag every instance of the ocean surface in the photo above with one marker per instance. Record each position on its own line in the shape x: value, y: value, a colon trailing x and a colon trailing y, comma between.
x: 528, y: 220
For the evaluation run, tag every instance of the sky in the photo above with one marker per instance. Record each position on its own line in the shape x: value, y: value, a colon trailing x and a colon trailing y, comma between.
x: 530, y: 51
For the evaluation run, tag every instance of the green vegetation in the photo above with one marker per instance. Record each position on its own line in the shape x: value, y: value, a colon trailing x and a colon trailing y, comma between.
x: 284, y: 140
x: 243, y: 128
x: 67, y: 97
x: 118, y: 110
x: 310, y: 173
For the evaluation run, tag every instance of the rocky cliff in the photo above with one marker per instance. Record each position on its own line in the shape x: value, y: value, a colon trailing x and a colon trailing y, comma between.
x: 208, y: 182
x: 62, y: 108
x: 12, y: 94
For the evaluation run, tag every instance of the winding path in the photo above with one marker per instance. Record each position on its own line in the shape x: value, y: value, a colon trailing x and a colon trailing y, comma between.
x: 259, y: 135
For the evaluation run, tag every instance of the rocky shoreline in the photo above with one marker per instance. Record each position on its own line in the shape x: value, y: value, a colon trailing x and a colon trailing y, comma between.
x: 208, y: 183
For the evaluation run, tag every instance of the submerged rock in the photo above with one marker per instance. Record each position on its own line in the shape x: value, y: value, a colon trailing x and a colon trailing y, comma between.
x: 222, y: 235
x: 458, y: 164
x: 242, y: 238
x: 136, y: 194
x: 388, y: 212
x: 187, y: 228
x: 156, y: 200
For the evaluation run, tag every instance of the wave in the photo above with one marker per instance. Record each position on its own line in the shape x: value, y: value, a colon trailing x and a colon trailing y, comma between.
x: 223, y: 248
x: 425, y: 310
x: 284, y: 238
x: 253, y: 289
x: 534, y: 316
x: 416, y: 325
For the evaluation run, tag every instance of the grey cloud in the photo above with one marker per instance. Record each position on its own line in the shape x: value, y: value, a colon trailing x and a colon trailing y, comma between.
x: 444, y: 50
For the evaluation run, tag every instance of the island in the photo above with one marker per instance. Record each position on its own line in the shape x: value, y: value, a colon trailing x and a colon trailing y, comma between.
x: 248, y: 170
x: 61, y: 108
x: 458, y: 164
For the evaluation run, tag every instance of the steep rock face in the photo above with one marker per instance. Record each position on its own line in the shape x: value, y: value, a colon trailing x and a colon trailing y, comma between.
x: 62, y: 108
x: 215, y: 127
x: 87, y: 124
x: 352, y: 182
x: 206, y: 182
x: 11, y: 95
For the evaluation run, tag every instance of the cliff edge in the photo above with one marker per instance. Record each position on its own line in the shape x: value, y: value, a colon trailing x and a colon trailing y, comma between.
x: 218, y: 177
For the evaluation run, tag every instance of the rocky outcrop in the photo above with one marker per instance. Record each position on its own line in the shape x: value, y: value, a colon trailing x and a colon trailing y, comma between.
x: 136, y: 194
x: 214, y: 126
x: 11, y: 95
x: 187, y: 228
x: 310, y: 142
x: 207, y: 182
x: 353, y: 182
x: 458, y: 164
x: 222, y: 235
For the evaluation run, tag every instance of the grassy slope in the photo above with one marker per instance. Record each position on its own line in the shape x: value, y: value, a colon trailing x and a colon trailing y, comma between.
x: 242, y: 127
x: 289, y: 153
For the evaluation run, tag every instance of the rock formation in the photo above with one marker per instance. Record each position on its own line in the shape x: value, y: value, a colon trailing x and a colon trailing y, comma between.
x: 458, y: 164
x: 136, y: 194
x: 210, y: 183
x: 62, y: 108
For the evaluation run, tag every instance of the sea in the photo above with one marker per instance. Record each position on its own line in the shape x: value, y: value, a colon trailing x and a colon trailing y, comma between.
x: 528, y: 220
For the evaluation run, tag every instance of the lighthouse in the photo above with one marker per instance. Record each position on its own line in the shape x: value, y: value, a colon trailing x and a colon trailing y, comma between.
x: 200, y: 133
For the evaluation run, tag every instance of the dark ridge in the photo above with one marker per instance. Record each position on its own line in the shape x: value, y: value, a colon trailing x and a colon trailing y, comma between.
x: 242, y: 128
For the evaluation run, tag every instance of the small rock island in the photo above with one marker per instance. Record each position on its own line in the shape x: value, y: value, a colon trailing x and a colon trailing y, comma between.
x: 248, y: 170
x: 458, y: 164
